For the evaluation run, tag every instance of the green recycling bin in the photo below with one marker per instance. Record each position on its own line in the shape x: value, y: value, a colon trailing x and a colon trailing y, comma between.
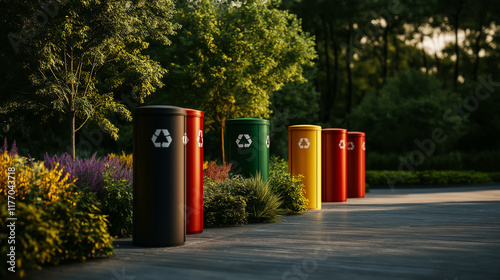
x: 246, y: 145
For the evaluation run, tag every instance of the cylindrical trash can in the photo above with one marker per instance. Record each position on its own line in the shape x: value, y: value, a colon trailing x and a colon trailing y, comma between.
x: 333, y: 165
x: 304, y: 157
x: 355, y: 164
x: 246, y: 143
x: 159, y: 176
x: 194, y: 171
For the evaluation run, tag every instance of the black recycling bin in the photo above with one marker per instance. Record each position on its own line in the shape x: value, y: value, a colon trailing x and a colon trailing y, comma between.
x: 159, y: 176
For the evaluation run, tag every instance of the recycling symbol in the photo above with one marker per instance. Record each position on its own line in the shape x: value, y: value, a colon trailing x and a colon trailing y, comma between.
x: 342, y: 144
x: 364, y: 146
x: 303, y: 145
x: 185, y: 139
x: 248, y: 140
x: 350, y: 146
x: 200, y: 138
x: 157, y: 133
x: 268, y: 141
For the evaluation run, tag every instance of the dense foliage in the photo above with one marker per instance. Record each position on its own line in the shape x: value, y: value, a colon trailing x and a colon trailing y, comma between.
x: 56, y: 222
x: 221, y: 206
x: 227, y: 60
x: 287, y: 186
x: 238, y: 200
x: 428, y: 177
x: 72, y: 58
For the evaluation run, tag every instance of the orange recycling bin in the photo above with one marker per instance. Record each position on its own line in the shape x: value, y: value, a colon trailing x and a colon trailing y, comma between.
x: 356, y: 148
x: 333, y: 165
x: 304, y: 157
x: 193, y: 139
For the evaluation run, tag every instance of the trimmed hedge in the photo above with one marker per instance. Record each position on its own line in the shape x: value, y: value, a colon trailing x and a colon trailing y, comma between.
x: 428, y: 177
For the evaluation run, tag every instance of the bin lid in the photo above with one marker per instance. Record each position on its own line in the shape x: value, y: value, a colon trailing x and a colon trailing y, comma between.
x: 334, y: 131
x: 304, y: 127
x: 247, y: 121
x: 159, y: 110
x: 355, y: 134
x: 194, y: 113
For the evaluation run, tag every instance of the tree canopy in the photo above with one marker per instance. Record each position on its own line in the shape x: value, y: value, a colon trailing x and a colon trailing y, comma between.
x: 78, y: 54
x: 228, y: 59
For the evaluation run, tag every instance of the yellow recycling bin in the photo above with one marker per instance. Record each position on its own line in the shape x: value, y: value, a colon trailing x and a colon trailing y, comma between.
x: 304, y: 157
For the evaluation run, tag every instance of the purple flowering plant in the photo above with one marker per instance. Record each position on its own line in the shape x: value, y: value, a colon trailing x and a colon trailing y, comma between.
x: 90, y: 171
x: 13, y: 147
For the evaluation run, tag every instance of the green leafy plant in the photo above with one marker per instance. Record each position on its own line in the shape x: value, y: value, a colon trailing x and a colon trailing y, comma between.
x: 262, y: 204
x: 116, y: 200
x: 287, y: 186
x: 238, y: 200
x: 221, y: 207
x: 429, y: 177
x: 56, y: 221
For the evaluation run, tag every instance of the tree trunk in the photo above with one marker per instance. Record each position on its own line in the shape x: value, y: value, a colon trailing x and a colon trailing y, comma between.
x: 396, y: 54
x: 385, y: 53
x: 477, y: 45
x: 457, y: 49
x: 327, y: 96
x: 335, y: 69
x: 72, y: 117
x: 222, y: 128
x: 316, y: 79
x: 348, y: 68
x: 438, y: 64
x: 424, y: 55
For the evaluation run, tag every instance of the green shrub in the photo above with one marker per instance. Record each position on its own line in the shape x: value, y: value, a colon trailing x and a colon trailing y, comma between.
x: 116, y: 200
x: 262, y: 204
x: 482, y: 161
x: 288, y: 187
x: 238, y: 200
x: 221, y: 207
x: 485, y: 161
x: 55, y: 221
x: 429, y: 177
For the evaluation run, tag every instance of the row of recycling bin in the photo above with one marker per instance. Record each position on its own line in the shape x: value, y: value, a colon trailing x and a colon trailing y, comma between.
x: 168, y: 167
x: 332, y: 160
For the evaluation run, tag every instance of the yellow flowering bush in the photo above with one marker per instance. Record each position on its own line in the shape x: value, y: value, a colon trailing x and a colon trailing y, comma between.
x: 124, y: 159
x: 55, y: 221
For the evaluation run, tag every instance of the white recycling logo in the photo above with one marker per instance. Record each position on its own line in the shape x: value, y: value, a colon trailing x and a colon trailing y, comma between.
x: 200, y: 138
x: 364, y: 146
x: 303, y: 145
x: 350, y: 146
x: 268, y: 141
x: 157, y: 133
x: 342, y: 144
x: 248, y: 140
x: 185, y: 139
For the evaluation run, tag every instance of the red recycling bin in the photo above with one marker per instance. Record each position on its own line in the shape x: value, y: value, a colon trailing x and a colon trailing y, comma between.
x: 334, y: 165
x: 356, y: 148
x: 193, y: 139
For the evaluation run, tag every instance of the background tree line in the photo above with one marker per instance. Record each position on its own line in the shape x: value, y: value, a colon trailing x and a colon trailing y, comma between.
x: 373, y: 71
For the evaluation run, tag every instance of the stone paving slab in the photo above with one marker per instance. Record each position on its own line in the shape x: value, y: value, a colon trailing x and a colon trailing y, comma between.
x: 438, y: 233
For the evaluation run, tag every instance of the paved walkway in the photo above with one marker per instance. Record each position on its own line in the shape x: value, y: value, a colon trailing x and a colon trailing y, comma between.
x: 440, y: 233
